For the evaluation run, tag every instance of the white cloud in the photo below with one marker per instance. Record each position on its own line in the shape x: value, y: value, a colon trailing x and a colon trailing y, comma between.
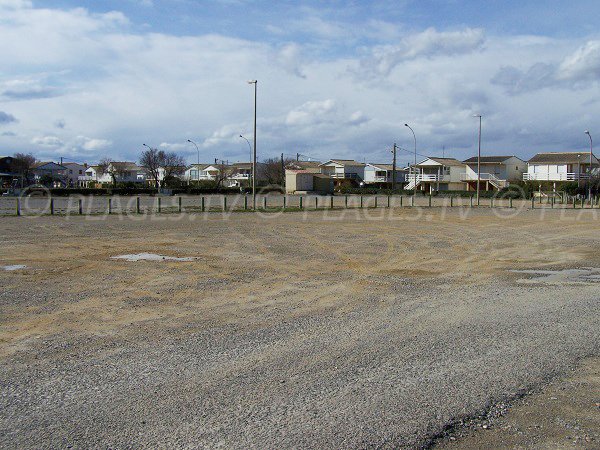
x: 15, y: 4
x: 47, y: 141
x: 428, y: 44
x: 123, y: 87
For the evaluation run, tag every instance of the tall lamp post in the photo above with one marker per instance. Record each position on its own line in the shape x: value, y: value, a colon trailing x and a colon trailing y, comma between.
x: 591, y: 156
x: 197, y: 168
x: 249, y: 147
x: 255, y: 83
x: 478, y: 158
x: 415, y: 138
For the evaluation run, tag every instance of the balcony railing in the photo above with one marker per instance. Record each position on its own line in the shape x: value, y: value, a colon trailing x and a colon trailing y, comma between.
x: 561, y: 176
x: 346, y: 175
x: 424, y: 177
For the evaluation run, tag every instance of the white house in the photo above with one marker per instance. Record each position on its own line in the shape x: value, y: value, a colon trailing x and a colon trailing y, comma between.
x: 560, y: 166
x: 344, y: 169
x: 201, y: 172
x: 123, y: 171
x: 74, y: 171
x: 496, y: 172
x: 383, y: 173
x: 241, y: 174
x: 437, y: 174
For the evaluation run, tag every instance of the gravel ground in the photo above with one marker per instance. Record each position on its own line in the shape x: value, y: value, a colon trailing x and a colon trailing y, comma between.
x: 304, y: 330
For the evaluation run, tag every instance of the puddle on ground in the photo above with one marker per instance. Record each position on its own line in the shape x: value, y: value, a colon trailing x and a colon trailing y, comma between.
x: 14, y: 267
x: 585, y: 275
x: 151, y: 257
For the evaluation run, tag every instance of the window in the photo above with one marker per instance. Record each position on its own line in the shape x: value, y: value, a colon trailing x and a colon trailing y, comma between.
x: 70, y: 171
x: 517, y: 168
x: 80, y: 172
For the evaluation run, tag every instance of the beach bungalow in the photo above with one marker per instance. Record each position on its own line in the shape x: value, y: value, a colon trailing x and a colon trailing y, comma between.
x: 495, y: 173
x: 383, y: 174
x: 437, y: 174
x: 560, y: 166
x: 342, y: 170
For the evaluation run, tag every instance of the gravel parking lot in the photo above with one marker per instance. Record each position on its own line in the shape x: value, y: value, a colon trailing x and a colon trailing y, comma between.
x: 354, y: 328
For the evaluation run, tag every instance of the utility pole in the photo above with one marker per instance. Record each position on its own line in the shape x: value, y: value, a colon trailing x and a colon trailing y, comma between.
x: 590, y: 170
x: 297, y: 156
x: 255, y: 83
x: 478, y: 158
x: 394, y: 168
x: 282, y: 170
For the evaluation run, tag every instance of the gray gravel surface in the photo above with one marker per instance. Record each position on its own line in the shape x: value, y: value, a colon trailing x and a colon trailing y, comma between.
x: 389, y: 365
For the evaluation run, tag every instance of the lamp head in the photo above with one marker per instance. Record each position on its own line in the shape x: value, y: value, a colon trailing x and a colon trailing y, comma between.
x: 405, y: 124
x: 587, y: 132
x: 252, y: 81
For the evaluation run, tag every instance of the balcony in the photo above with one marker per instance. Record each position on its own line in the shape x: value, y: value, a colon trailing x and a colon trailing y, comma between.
x: 424, y: 177
x: 345, y: 176
x: 554, y: 176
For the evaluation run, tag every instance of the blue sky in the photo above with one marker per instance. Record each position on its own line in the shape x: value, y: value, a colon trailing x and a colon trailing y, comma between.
x: 89, y: 79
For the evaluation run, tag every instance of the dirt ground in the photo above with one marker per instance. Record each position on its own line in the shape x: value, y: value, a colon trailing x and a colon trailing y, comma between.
x: 384, y: 328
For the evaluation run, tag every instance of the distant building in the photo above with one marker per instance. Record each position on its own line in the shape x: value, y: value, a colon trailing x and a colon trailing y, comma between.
x: 74, y: 171
x: 383, y: 174
x: 560, y: 166
x: 437, y: 174
x: 307, y: 181
x: 344, y: 170
x: 123, y: 172
x: 496, y: 172
x: 48, y: 170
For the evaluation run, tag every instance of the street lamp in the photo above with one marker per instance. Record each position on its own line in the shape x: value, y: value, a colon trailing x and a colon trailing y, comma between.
x: 255, y: 83
x: 415, y: 138
x: 591, y: 156
x: 198, y: 168
x: 478, y: 158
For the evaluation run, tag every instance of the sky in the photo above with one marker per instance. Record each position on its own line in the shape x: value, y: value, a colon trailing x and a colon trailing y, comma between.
x: 85, y: 80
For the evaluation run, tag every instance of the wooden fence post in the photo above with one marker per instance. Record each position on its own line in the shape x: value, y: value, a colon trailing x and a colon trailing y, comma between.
x: 429, y: 200
x: 361, y: 201
x: 109, y: 205
x: 137, y: 205
x: 510, y: 202
x: 265, y: 202
x: 389, y: 200
x: 331, y: 202
x: 179, y: 203
x: 300, y: 202
x: 346, y: 201
x: 245, y: 202
x: 52, y: 206
x: 532, y: 202
x: 80, y: 207
x: 401, y: 200
x: 316, y: 202
x: 375, y: 201
x: 202, y: 205
x: 18, y: 206
x: 284, y: 201
x: 224, y: 203
x: 158, y: 198
x: 451, y: 201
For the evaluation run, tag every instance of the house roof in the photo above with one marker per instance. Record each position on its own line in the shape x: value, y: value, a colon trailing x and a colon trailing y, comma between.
x: 343, y: 162
x: 563, y: 157
x: 242, y: 164
x: 39, y: 164
x: 490, y: 159
x: 125, y: 165
x: 385, y: 166
x: 303, y: 164
x: 443, y: 161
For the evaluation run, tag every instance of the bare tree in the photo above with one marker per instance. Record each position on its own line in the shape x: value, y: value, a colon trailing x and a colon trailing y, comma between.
x: 22, y: 164
x: 272, y: 170
x: 106, y: 166
x: 173, y: 164
x: 155, y: 161
x: 225, y: 172
x: 151, y: 160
